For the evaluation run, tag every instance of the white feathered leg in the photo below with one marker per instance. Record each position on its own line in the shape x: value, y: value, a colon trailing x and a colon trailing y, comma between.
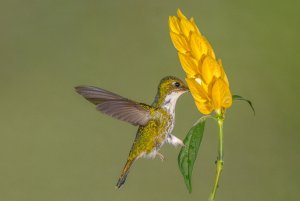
x: 162, y: 158
x: 173, y: 140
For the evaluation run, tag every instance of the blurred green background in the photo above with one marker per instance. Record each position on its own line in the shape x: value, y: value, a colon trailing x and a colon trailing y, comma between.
x: 54, y: 145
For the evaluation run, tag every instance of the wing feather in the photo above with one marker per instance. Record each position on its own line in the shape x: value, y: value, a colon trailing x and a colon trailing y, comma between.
x: 116, y: 106
x: 97, y: 95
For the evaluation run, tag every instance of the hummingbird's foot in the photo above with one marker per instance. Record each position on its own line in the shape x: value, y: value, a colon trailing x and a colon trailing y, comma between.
x: 171, y: 139
x: 162, y: 158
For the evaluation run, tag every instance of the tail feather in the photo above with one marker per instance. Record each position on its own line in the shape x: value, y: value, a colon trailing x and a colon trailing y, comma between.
x: 124, y: 174
x: 121, y: 180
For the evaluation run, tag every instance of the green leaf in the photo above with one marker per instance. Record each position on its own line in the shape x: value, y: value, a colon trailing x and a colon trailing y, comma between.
x: 237, y: 97
x: 188, y: 153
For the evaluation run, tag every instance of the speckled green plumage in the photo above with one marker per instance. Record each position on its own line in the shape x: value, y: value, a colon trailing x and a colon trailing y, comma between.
x: 165, y: 87
x: 152, y: 135
x: 155, y: 122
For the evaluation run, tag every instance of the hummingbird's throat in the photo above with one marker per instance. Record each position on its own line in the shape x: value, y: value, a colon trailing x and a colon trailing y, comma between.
x: 170, y: 101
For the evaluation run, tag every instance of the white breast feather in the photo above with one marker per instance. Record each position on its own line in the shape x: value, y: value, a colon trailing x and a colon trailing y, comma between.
x: 169, y: 105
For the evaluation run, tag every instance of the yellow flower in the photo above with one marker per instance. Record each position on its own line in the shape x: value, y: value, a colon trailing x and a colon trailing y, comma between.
x: 206, y: 77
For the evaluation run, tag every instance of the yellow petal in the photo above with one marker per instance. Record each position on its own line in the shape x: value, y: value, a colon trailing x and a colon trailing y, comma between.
x: 179, y: 42
x: 223, y: 74
x: 197, y: 90
x: 186, y: 27
x: 195, y: 26
x: 210, y: 69
x: 174, y: 24
x: 180, y: 14
x: 198, y: 45
x: 210, y: 51
x: 204, y: 108
x: 221, y: 96
x: 202, y: 101
x: 188, y: 64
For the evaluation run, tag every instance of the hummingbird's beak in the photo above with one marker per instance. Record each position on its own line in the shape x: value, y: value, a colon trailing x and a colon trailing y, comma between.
x: 186, y: 89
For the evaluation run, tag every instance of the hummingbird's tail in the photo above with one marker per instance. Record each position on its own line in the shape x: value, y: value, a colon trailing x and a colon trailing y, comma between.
x: 124, y: 174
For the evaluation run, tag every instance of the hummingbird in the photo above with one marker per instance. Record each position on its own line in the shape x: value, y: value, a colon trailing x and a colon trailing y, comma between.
x: 155, y: 121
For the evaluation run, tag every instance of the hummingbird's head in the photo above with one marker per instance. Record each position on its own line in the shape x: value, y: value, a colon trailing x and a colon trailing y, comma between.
x: 169, y: 90
x: 171, y: 84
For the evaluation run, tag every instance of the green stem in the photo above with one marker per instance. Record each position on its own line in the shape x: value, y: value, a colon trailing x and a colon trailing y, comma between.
x: 220, y: 161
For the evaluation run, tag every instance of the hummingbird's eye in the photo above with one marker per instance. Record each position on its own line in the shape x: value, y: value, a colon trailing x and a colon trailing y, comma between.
x: 177, y: 84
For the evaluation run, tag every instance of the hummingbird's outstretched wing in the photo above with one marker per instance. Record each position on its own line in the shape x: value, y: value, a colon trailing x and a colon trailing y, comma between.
x: 116, y: 106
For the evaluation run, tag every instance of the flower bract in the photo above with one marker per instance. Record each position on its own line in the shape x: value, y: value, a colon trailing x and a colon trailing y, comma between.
x: 205, y: 74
